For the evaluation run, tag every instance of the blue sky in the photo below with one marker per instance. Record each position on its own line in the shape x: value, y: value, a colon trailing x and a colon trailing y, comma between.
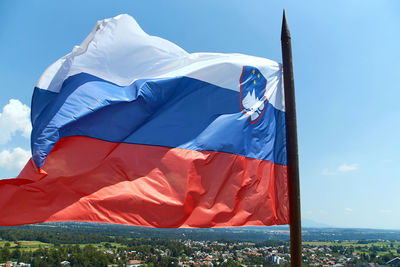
x: 346, y: 67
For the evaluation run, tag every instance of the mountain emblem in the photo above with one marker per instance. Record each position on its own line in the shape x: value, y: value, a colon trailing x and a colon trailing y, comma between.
x: 252, y: 93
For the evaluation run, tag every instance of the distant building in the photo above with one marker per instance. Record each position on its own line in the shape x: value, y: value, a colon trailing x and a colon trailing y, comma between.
x: 108, y: 251
x: 134, y: 263
x: 275, y: 259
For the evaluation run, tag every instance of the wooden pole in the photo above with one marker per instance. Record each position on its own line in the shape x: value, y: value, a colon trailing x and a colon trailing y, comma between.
x: 291, y: 146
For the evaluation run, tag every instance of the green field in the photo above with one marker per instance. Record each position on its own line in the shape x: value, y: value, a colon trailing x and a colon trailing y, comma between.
x: 26, y: 245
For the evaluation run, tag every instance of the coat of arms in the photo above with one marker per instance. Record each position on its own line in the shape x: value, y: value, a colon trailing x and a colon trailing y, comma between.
x: 252, y: 93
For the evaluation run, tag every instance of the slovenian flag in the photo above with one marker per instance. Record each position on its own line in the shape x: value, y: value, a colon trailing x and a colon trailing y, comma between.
x: 129, y: 128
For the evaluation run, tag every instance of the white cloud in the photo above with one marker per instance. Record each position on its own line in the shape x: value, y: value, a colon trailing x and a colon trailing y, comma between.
x: 348, y: 167
x: 342, y: 168
x: 15, y: 159
x: 348, y: 210
x: 386, y: 211
x: 14, y: 118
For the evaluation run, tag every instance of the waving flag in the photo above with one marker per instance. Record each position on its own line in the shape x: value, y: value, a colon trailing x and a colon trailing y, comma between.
x: 129, y: 128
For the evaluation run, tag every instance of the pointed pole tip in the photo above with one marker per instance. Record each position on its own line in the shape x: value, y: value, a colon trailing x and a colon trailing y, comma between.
x: 285, y: 34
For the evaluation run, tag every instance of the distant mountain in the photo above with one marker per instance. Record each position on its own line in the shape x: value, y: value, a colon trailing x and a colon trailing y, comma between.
x: 308, y: 223
x: 305, y: 223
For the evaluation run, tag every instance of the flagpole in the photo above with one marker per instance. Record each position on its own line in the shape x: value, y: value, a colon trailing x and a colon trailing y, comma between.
x: 292, y: 150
